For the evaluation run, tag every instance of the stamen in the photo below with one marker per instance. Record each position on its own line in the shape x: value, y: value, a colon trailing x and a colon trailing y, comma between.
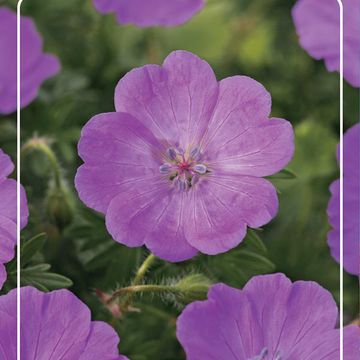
x: 200, y: 169
x: 194, y: 179
x: 262, y: 355
x: 182, y: 184
x: 171, y: 153
x: 195, y: 153
x: 165, y: 168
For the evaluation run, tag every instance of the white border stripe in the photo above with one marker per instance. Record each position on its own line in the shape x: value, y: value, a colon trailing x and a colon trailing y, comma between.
x: 18, y: 203
x: 341, y: 8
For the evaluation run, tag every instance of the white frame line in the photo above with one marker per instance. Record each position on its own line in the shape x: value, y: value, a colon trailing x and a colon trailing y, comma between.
x: 18, y: 202
x: 18, y: 148
x: 341, y: 11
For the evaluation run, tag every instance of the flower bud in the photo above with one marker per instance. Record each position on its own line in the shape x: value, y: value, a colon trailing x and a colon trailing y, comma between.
x: 59, y: 206
x: 192, y: 287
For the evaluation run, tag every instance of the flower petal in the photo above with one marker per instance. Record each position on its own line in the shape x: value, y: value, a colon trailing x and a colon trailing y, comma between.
x: 317, y: 23
x: 174, y: 101
x: 242, y: 102
x: 6, y: 165
x: 102, y: 343
x: 151, y: 12
x: 260, y: 150
x: 47, y: 335
x: 8, y: 202
x: 7, y: 335
x: 221, y: 207
x: 150, y: 213
x: 198, y: 330
x: 303, y: 310
x: 351, y: 224
x: 117, y: 149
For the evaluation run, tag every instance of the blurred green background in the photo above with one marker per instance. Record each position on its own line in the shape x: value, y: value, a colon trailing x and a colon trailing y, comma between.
x: 251, y: 37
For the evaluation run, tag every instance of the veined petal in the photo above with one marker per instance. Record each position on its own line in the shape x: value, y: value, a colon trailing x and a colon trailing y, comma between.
x: 150, y: 12
x: 6, y: 165
x: 150, y: 213
x: 117, y: 150
x: 242, y: 103
x: 260, y: 150
x: 174, y: 101
x: 222, y: 206
x: 102, y: 343
x: 9, y: 201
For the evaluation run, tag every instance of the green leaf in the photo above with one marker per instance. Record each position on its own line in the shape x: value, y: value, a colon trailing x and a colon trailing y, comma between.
x: 40, y: 277
x: 30, y: 247
x: 285, y: 174
x: 237, y: 266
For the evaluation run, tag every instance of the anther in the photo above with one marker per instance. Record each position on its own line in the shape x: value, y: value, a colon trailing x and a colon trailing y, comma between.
x: 200, y: 169
x: 171, y: 153
x: 195, y: 153
x: 165, y: 168
x: 262, y: 355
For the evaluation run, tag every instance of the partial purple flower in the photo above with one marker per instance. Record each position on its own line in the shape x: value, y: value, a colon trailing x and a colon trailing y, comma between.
x: 35, y: 65
x: 318, y: 26
x: 179, y: 166
x: 351, y: 205
x: 271, y: 318
x: 55, y: 325
x: 150, y: 12
x: 8, y: 203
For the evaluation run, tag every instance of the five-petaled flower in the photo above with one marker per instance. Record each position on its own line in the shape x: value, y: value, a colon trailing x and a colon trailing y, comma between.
x: 179, y: 166
x: 35, y: 66
x: 351, y: 204
x: 145, y: 13
x: 55, y: 325
x: 8, y: 202
x: 317, y: 23
x: 271, y: 318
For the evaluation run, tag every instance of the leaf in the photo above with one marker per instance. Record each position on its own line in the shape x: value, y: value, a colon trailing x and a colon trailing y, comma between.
x: 285, y: 174
x: 237, y: 266
x: 30, y: 247
x: 40, y: 277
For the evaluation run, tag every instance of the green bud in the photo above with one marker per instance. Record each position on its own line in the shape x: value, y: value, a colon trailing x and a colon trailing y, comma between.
x: 59, y: 205
x: 192, y: 287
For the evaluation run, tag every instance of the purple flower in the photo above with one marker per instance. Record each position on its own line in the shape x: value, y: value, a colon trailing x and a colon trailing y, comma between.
x: 150, y: 12
x: 178, y: 167
x: 55, y: 325
x: 8, y: 200
x: 271, y: 318
x: 351, y: 205
x: 318, y: 26
x: 35, y: 65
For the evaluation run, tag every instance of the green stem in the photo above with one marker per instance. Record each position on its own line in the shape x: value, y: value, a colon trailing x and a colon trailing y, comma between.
x: 40, y: 144
x: 145, y: 266
x: 133, y: 289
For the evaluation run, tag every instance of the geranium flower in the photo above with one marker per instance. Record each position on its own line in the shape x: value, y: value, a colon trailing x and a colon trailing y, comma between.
x: 351, y: 205
x: 317, y: 23
x: 35, y: 65
x: 55, y: 325
x: 8, y: 203
x: 270, y: 319
x: 150, y: 12
x: 178, y: 167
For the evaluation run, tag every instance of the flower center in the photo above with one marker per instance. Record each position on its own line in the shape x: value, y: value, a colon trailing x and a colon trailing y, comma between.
x: 183, y: 168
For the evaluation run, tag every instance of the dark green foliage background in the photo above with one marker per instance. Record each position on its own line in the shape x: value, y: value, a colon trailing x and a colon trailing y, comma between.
x: 251, y: 37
